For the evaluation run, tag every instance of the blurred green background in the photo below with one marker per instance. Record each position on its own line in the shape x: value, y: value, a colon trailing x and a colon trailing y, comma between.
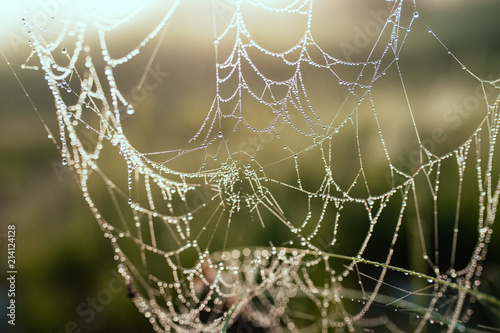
x: 62, y: 258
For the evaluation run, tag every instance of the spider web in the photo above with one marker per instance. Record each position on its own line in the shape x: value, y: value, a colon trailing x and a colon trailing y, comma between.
x: 297, y: 184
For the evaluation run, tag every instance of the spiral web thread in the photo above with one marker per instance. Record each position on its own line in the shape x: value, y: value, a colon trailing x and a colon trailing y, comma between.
x: 330, y: 231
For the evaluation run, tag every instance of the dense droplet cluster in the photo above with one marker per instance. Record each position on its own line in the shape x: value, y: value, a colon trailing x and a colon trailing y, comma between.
x: 171, y: 238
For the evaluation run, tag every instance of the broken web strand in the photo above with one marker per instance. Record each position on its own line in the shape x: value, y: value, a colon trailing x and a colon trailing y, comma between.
x: 184, y: 281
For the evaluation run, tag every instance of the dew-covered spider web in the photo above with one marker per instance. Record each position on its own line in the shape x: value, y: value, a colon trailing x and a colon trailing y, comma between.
x: 282, y: 165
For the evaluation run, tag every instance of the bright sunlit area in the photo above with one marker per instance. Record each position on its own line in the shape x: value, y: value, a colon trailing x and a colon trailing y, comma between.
x: 249, y: 166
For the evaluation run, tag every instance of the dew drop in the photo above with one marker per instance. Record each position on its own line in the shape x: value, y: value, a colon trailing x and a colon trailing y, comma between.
x: 220, y: 135
x: 130, y: 109
x: 416, y: 15
x: 64, y: 161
